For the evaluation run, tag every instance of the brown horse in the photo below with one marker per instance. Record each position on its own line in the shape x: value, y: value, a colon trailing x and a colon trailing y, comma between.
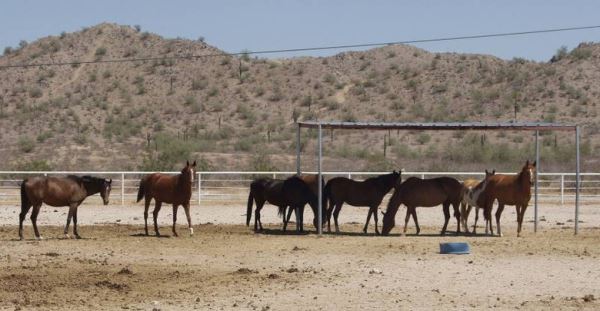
x: 59, y: 191
x: 171, y: 189
x: 297, y: 193
x: 415, y: 192
x: 510, y: 190
x: 369, y: 192
x: 473, y: 190
x: 271, y: 190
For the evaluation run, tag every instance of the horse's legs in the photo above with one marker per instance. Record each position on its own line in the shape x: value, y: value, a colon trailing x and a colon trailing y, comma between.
x: 455, y: 206
x: 175, y: 207
x: 186, y: 208
x: 336, y: 213
x: 157, y: 205
x: 34, y: 215
x: 520, y: 219
x: 259, y: 206
x: 498, y: 214
x: 24, y: 211
x: 446, y: 208
x: 368, y: 219
x: 465, y: 210
x: 329, y: 212
x: 69, y: 216
x: 414, y: 215
x: 146, y: 207
x: 476, y: 219
x: 406, y: 219
x: 374, y: 209
x: 287, y: 220
x: 75, y: 233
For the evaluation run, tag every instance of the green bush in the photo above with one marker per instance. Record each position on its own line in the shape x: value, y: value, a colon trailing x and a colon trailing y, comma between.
x: 26, y: 144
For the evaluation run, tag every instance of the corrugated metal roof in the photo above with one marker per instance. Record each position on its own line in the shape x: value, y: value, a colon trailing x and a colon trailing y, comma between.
x: 530, y: 126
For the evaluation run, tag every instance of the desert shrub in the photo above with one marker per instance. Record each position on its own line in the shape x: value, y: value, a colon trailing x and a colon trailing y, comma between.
x: 35, y: 92
x: 101, y: 51
x: 581, y: 53
x: 26, y: 144
x: 423, y: 138
x: 34, y: 165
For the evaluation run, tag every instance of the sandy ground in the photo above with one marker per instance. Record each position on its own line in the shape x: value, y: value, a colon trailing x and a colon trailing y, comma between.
x: 225, y: 266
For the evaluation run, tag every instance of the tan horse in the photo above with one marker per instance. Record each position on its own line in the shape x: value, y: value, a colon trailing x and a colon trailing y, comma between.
x: 510, y: 190
x: 171, y: 189
x: 473, y: 190
x: 415, y: 192
x: 59, y: 191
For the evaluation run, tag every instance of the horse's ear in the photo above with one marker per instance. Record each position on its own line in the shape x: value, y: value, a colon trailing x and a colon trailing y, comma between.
x: 187, y: 163
x: 110, y: 181
x: 534, y: 163
x: 486, y: 172
x: 494, y: 172
x: 527, y: 163
x: 194, y: 164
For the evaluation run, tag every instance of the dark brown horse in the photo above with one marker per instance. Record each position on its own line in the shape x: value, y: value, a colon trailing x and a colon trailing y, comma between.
x: 59, y: 191
x: 170, y: 189
x: 510, y: 190
x: 415, y: 192
x: 297, y: 193
x: 270, y: 190
x: 369, y: 192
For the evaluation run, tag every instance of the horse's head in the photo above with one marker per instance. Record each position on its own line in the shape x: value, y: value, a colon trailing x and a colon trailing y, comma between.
x: 105, y: 190
x: 528, y: 171
x: 396, y: 178
x: 389, y: 222
x: 189, y: 171
x: 488, y: 175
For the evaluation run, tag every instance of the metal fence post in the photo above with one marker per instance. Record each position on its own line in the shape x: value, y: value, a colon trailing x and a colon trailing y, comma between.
x: 562, y: 189
x: 122, y: 189
x: 199, y: 187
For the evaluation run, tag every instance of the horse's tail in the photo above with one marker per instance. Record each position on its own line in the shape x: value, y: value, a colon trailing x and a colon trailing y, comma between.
x: 326, y: 198
x: 141, y: 190
x: 249, y: 207
x: 24, y: 198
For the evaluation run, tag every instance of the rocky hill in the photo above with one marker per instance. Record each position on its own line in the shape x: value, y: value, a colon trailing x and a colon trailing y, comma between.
x: 239, y: 112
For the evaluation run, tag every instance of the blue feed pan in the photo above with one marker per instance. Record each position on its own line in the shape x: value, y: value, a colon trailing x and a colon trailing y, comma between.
x: 455, y: 248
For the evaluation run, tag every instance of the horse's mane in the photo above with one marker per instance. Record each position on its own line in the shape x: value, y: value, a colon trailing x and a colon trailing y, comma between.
x: 85, y: 179
x: 381, y: 179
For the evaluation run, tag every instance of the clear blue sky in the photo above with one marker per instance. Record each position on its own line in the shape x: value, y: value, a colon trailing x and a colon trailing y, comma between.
x: 269, y: 24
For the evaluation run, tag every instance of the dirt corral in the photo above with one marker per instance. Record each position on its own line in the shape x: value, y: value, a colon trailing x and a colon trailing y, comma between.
x: 227, y: 266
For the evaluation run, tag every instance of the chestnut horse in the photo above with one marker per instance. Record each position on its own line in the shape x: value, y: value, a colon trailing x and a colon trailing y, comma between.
x: 473, y: 190
x: 510, y: 190
x: 271, y: 190
x: 171, y: 189
x: 59, y: 191
x: 370, y: 193
x: 415, y: 192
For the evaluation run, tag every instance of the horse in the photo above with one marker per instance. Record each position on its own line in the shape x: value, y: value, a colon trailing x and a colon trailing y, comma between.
x: 415, y: 192
x: 271, y: 190
x: 370, y: 193
x: 59, y: 191
x: 472, y: 196
x: 510, y: 190
x: 297, y: 193
x: 171, y: 189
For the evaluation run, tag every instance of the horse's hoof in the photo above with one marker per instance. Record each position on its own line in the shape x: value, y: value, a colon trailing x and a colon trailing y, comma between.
x: 67, y: 236
x: 78, y: 237
x: 39, y: 238
x: 191, y: 231
x: 175, y: 234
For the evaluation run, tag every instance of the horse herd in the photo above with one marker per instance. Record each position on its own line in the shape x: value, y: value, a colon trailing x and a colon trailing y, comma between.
x: 297, y: 191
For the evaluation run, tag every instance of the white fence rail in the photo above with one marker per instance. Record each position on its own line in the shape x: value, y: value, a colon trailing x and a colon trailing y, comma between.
x: 228, y: 186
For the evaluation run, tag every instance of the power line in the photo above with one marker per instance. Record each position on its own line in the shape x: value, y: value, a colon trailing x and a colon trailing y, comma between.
x: 318, y: 48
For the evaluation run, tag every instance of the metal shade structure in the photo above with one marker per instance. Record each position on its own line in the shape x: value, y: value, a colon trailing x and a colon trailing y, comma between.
x: 443, y: 126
